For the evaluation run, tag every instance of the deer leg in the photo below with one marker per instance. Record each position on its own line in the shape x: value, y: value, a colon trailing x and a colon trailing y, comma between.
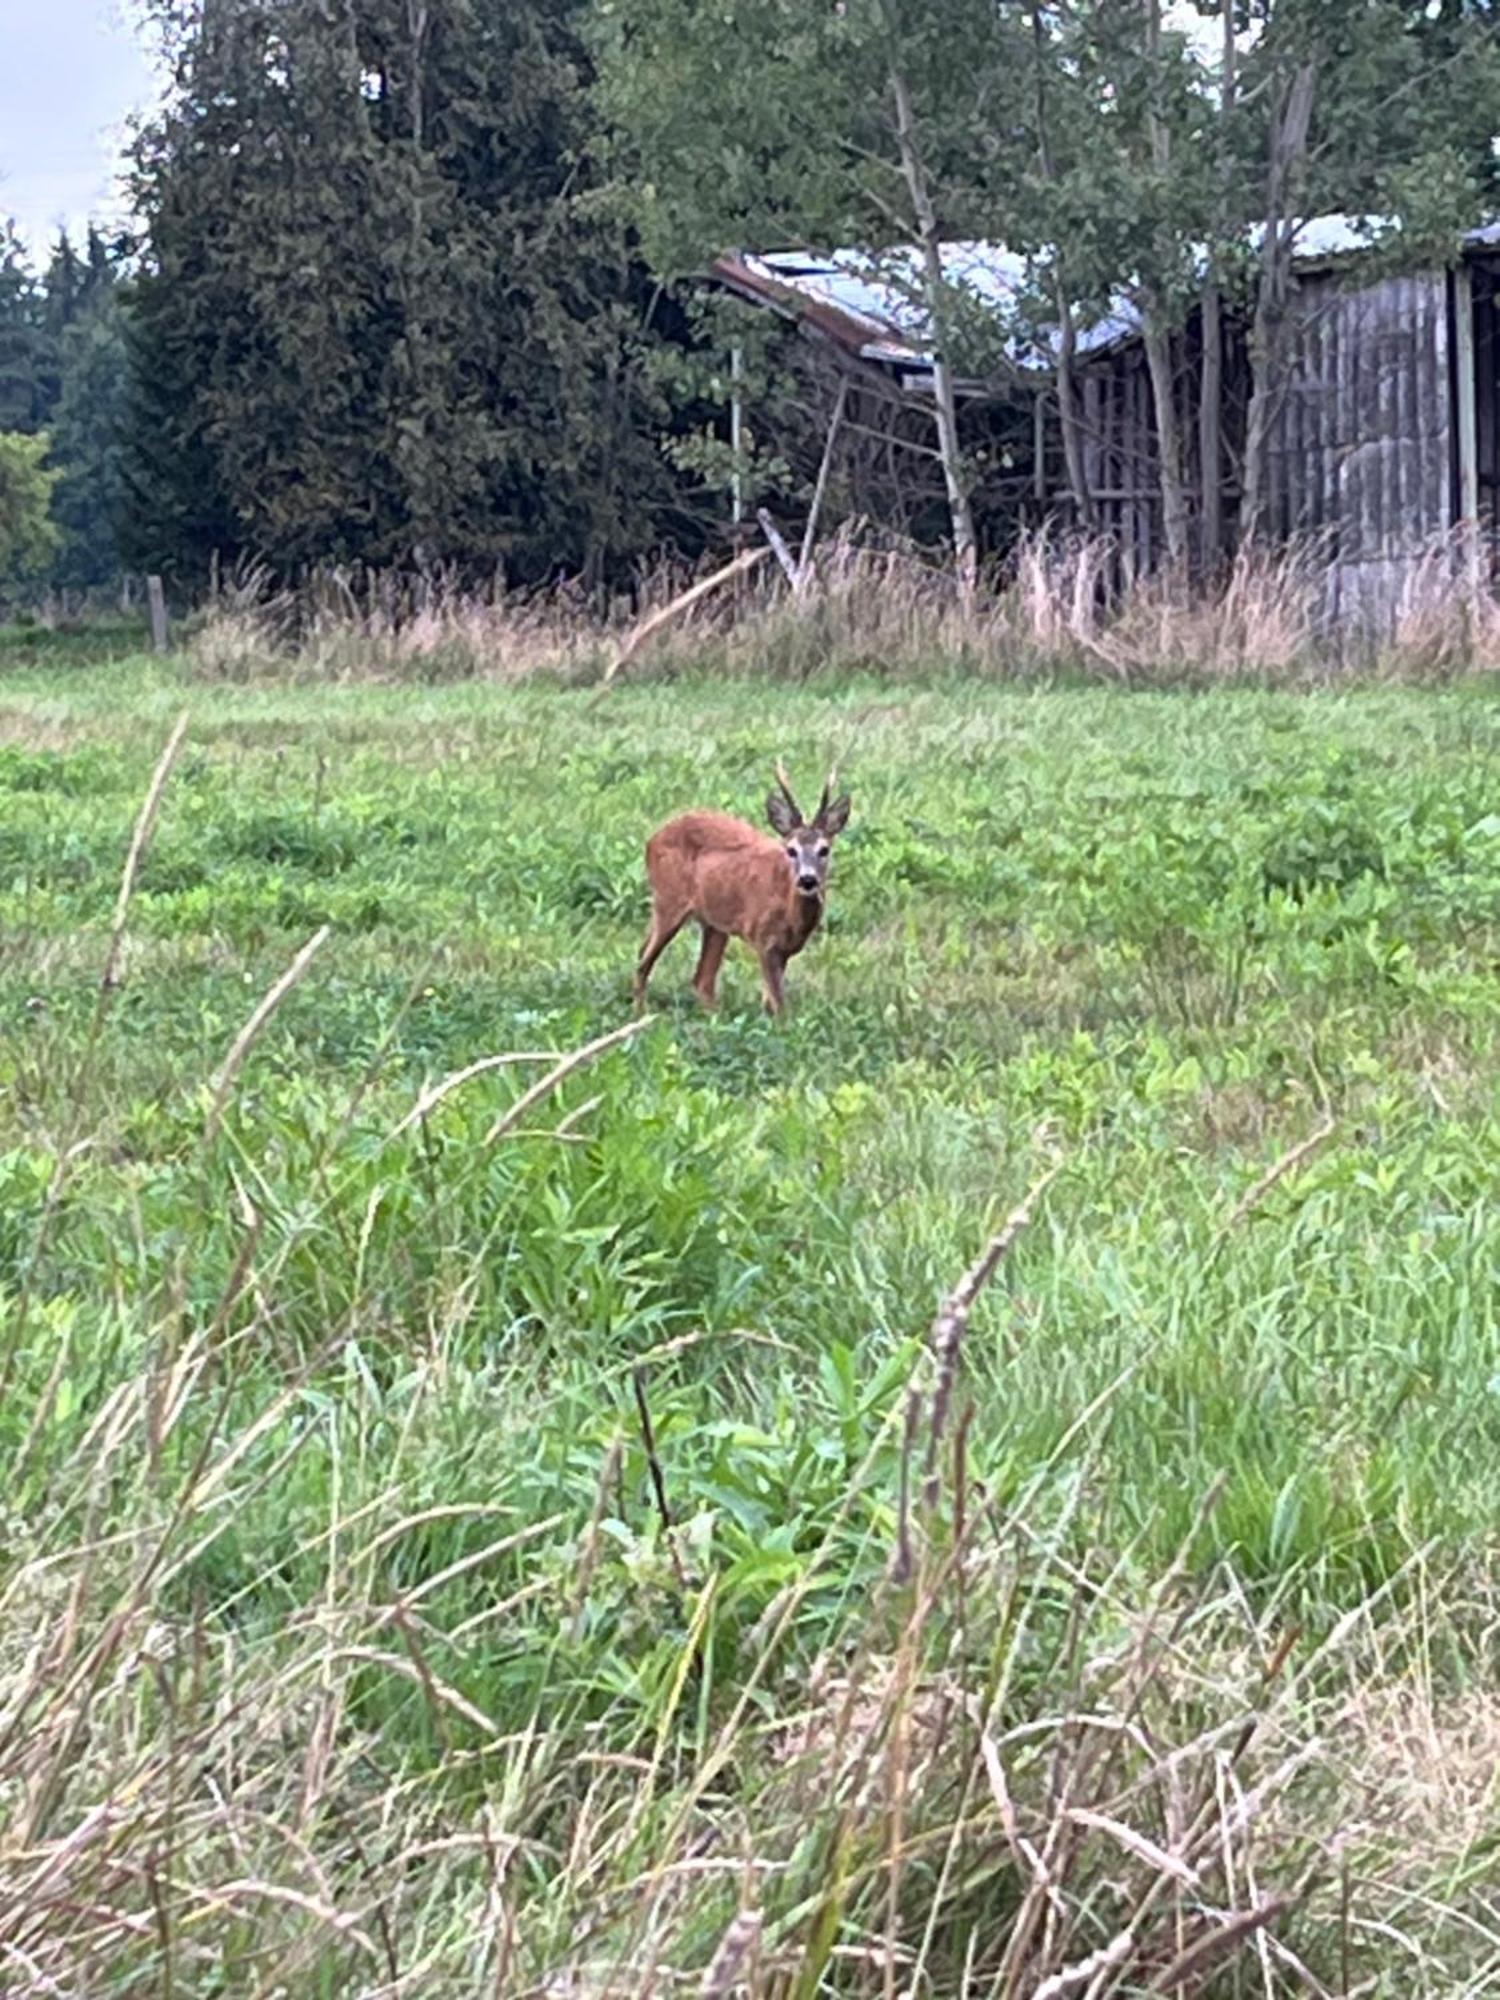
x: 772, y: 969
x: 710, y: 958
x: 663, y: 929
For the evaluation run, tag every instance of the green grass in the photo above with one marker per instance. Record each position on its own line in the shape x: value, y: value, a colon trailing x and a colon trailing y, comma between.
x: 329, y: 1505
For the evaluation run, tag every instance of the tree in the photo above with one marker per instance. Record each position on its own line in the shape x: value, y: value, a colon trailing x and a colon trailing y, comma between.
x: 86, y: 434
x: 28, y: 534
x: 394, y: 326
x: 869, y: 126
x: 22, y: 399
x: 1166, y: 162
x: 1376, y: 107
x: 1120, y: 204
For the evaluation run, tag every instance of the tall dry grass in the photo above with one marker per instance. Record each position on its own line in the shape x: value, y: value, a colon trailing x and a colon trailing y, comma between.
x: 345, y: 626
x: 1016, y: 1773
x: 1442, y: 625
x: 1057, y: 609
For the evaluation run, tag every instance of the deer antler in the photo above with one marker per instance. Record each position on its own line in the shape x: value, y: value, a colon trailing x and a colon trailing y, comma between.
x: 786, y: 789
x: 830, y: 785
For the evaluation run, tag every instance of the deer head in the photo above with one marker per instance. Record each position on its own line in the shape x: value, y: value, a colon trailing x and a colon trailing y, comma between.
x: 808, y: 842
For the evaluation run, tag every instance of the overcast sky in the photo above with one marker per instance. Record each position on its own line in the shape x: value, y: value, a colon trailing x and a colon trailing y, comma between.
x: 71, y: 71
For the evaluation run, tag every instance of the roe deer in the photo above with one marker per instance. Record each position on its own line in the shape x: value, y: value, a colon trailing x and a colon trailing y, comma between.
x: 738, y: 882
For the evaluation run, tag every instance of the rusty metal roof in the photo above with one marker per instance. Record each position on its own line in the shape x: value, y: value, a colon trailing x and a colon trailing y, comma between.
x: 871, y: 310
x: 814, y: 292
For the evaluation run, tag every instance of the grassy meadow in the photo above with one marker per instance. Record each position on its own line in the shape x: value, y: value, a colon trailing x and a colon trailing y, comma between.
x: 564, y: 1561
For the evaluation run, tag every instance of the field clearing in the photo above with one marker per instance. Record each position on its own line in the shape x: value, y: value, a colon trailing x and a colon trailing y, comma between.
x: 342, y: 1644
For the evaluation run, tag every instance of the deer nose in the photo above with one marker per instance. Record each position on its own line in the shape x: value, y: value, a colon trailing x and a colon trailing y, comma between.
x: 807, y: 880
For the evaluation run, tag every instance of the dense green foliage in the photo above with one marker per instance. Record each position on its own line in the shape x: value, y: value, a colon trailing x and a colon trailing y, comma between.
x: 28, y: 534
x: 401, y: 283
x: 392, y: 328
x: 64, y: 371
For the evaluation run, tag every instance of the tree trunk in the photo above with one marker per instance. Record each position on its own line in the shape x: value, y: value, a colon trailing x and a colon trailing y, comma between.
x: 1157, y: 340
x: 1211, y: 382
x: 965, y: 555
x: 1067, y: 408
x: 1211, y: 432
x: 1067, y: 327
x: 1289, y: 132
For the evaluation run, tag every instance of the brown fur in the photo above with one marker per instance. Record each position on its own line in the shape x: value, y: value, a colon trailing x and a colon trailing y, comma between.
x: 740, y: 882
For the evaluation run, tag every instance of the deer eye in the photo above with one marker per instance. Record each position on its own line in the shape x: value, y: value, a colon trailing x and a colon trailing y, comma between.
x: 823, y: 851
x: 791, y: 854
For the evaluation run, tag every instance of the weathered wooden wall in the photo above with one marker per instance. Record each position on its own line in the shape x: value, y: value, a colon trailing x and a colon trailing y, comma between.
x: 1362, y: 447
x: 1119, y: 458
x: 1118, y: 417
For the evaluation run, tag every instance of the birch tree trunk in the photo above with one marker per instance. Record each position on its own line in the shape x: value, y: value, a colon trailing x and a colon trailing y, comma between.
x: 1157, y: 340
x: 1290, y: 125
x: 1067, y: 325
x: 965, y: 554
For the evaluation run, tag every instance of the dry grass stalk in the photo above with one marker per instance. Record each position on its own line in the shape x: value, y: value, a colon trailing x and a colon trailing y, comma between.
x: 432, y: 1097
x: 679, y: 605
x: 368, y: 626
x: 1277, y: 1172
x: 140, y: 841
x: 253, y: 1029
x: 1442, y: 625
x: 559, y: 1074
x: 734, y: 1959
x: 1060, y: 605
x: 949, y: 1327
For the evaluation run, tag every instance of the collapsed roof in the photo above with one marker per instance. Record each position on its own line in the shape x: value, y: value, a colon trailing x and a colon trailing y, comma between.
x: 871, y: 308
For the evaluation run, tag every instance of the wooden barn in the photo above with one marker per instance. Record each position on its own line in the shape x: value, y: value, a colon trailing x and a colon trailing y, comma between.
x: 860, y: 425
x: 1385, y: 431
x: 1384, y: 441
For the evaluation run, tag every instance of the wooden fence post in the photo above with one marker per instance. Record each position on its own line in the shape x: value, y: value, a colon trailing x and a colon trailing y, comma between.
x: 158, y: 602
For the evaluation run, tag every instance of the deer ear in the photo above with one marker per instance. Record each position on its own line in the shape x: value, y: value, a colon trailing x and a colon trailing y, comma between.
x: 833, y: 819
x: 781, y: 815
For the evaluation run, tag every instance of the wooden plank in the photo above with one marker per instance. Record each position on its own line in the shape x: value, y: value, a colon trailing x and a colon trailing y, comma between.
x: 1439, y: 429
x: 1468, y: 425
x: 1391, y: 358
x: 1365, y: 447
x: 1487, y: 405
x: 1329, y: 435
x: 1314, y: 418
x: 1092, y: 387
x: 156, y: 597
x: 1151, y: 530
x: 1300, y: 417
x: 778, y: 546
x: 1404, y: 429
x: 1359, y: 451
x: 1468, y: 406
x: 1333, y: 427
x: 825, y: 466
